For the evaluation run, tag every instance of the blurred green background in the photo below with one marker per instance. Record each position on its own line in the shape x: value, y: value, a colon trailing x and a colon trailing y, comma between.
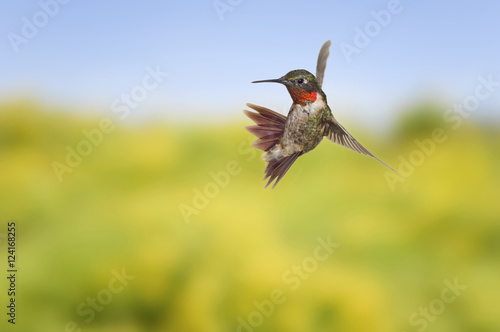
x: 120, y: 209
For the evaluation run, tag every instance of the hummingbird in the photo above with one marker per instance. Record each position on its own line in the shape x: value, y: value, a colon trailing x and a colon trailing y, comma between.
x: 284, y: 139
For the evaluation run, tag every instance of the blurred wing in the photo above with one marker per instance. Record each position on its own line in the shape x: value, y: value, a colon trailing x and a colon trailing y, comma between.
x: 269, y: 128
x: 336, y: 133
x: 321, y: 66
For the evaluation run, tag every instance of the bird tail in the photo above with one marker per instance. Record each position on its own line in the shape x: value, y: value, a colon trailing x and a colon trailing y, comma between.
x: 277, y: 168
x: 269, y: 129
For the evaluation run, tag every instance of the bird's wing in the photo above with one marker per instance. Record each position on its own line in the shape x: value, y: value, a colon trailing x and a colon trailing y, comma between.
x: 269, y: 128
x: 321, y: 65
x: 336, y: 133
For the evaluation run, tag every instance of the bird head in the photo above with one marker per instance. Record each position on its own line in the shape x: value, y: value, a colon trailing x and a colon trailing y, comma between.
x: 301, y: 85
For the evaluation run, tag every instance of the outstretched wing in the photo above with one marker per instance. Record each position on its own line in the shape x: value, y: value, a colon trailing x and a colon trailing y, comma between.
x: 321, y: 65
x: 336, y: 133
x: 269, y: 128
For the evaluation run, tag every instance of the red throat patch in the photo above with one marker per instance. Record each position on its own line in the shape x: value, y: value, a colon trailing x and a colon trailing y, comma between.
x: 301, y: 96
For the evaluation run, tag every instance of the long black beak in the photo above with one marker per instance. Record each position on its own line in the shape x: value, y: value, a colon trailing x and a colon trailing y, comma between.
x: 278, y: 80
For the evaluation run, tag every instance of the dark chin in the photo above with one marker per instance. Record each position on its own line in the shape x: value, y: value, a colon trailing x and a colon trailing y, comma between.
x: 293, y: 91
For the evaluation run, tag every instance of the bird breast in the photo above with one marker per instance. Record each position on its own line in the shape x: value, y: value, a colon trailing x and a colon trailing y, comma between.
x: 302, y: 128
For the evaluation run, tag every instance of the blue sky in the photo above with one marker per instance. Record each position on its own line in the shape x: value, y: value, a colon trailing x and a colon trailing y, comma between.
x: 91, y: 52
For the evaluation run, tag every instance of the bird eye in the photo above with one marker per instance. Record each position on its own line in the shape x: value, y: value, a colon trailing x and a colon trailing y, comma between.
x: 300, y: 80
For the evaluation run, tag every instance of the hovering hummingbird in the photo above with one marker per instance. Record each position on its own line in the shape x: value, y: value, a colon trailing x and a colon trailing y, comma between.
x: 284, y: 139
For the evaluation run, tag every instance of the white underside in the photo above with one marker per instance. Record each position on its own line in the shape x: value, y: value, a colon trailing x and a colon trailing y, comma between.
x: 305, y: 111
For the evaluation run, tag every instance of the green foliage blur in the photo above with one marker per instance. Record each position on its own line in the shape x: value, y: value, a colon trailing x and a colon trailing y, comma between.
x: 203, y: 254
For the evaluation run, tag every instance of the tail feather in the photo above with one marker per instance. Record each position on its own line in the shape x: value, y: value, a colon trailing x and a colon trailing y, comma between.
x: 269, y: 128
x: 276, y: 169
